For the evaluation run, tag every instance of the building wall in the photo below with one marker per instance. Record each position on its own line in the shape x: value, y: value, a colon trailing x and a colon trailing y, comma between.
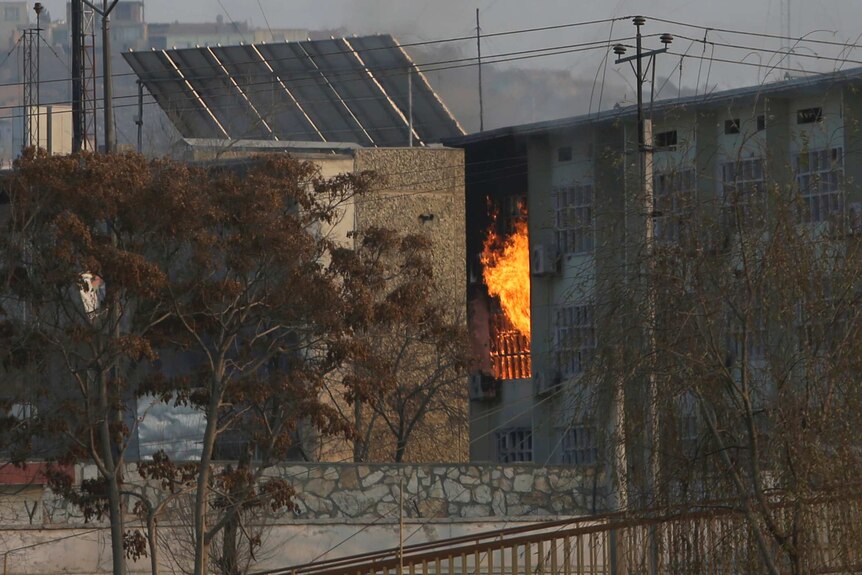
x: 14, y: 16
x: 605, y: 154
x: 420, y: 190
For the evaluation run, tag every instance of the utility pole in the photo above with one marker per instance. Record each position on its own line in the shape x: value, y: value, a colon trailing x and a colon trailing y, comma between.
x: 38, y: 8
x: 77, y: 17
x: 401, y: 523
x: 30, y: 48
x: 107, y: 81
x: 479, y: 53
x: 139, y: 119
x: 645, y: 185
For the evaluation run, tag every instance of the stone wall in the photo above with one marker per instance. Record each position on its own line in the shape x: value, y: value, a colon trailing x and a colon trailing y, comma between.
x: 340, y: 491
x: 439, y: 491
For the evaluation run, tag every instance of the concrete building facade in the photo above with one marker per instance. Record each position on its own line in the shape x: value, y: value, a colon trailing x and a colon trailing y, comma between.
x: 586, y: 216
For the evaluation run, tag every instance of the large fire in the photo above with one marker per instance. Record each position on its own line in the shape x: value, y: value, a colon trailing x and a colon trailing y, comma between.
x: 506, y: 264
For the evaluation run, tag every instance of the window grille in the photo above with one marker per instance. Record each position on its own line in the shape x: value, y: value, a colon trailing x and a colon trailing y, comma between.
x: 823, y: 320
x: 581, y: 445
x: 743, y: 185
x: 750, y: 338
x: 515, y: 445
x: 574, y: 219
x: 674, y: 193
x: 819, y: 176
x: 575, y: 338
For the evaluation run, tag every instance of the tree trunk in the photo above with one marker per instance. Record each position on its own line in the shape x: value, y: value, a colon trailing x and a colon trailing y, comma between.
x: 358, y: 447
x: 201, y: 541
x: 231, y: 534
x: 112, y: 476
x: 117, y: 530
x: 152, y: 543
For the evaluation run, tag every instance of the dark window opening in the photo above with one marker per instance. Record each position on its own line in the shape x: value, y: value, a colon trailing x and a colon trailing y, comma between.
x: 564, y: 154
x: 731, y: 126
x: 809, y: 115
x: 666, y: 140
x: 761, y: 122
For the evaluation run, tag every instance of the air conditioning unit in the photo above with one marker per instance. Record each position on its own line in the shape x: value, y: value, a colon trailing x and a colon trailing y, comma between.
x: 543, y: 260
x: 545, y: 382
x: 482, y: 387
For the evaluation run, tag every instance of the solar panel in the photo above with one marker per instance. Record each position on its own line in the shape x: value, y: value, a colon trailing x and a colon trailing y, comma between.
x: 337, y: 90
x: 388, y: 62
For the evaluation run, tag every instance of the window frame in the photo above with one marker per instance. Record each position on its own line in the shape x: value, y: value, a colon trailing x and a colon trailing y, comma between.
x: 747, y: 191
x: 573, y: 218
x: 811, y: 175
x: 514, y: 445
x: 680, y: 198
x: 581, y: 445
x: 574, y: 338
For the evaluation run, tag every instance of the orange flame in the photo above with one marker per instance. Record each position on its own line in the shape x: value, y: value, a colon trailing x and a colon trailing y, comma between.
x: 506, y: 272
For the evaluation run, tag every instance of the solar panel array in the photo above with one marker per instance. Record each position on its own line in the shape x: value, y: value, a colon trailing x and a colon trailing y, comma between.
x: 339, y: 90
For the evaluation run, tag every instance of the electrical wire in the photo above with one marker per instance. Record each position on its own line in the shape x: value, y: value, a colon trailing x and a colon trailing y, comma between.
x: 371, y: 49
x: 290, y: 104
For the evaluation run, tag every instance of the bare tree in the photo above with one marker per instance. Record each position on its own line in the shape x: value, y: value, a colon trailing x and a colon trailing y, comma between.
x: 418, y: 353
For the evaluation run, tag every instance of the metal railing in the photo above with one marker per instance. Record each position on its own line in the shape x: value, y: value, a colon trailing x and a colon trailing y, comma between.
x: 719, y: 539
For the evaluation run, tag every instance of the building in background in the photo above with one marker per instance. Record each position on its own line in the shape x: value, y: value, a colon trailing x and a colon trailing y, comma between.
x: 14, y: 17
x: 167, y: 35
x: 52, y: 126
x: 230, y: 102
x: 579, y: 178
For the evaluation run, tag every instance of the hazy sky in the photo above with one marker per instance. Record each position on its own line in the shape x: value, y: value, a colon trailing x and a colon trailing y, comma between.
x: 435, y: 19
x: 411, y: 20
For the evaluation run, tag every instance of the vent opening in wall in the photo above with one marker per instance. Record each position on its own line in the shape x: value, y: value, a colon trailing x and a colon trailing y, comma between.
x: 809, y: 115
x: 731, y: 126
x: 564, y: 154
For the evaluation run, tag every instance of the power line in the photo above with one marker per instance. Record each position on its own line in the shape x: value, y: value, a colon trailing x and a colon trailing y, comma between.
x: 373, y: 49
x: 501, y: 58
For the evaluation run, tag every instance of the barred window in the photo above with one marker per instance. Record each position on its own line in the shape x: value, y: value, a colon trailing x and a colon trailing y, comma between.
x: 689, y: 432
x: 581, y: 445
x: 515, y: 445
x: 819, y: 175
x: 743, y: 184
x: 823, y: 320
x: 750, y: 338
x: 574, y: 218
x: 575, y: 338
x: 674, y: 193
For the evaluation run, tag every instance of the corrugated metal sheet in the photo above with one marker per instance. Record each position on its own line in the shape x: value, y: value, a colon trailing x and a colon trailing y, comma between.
x: 338, y: 90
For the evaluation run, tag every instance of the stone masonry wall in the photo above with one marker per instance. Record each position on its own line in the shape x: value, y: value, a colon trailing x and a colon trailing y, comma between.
x: 351, y: 492
x: 442, y: 491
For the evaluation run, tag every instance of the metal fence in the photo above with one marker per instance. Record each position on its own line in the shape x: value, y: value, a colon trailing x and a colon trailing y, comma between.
x: 814, y: 536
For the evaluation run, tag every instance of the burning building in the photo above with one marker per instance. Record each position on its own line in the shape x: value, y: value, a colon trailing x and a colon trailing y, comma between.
x: 498, y: 268
x: 506, y: 275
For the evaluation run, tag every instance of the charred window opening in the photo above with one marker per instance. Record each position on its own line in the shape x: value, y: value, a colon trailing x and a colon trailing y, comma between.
x: 809, y: 115
x: 506, y: 276
x: 731, y: 126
